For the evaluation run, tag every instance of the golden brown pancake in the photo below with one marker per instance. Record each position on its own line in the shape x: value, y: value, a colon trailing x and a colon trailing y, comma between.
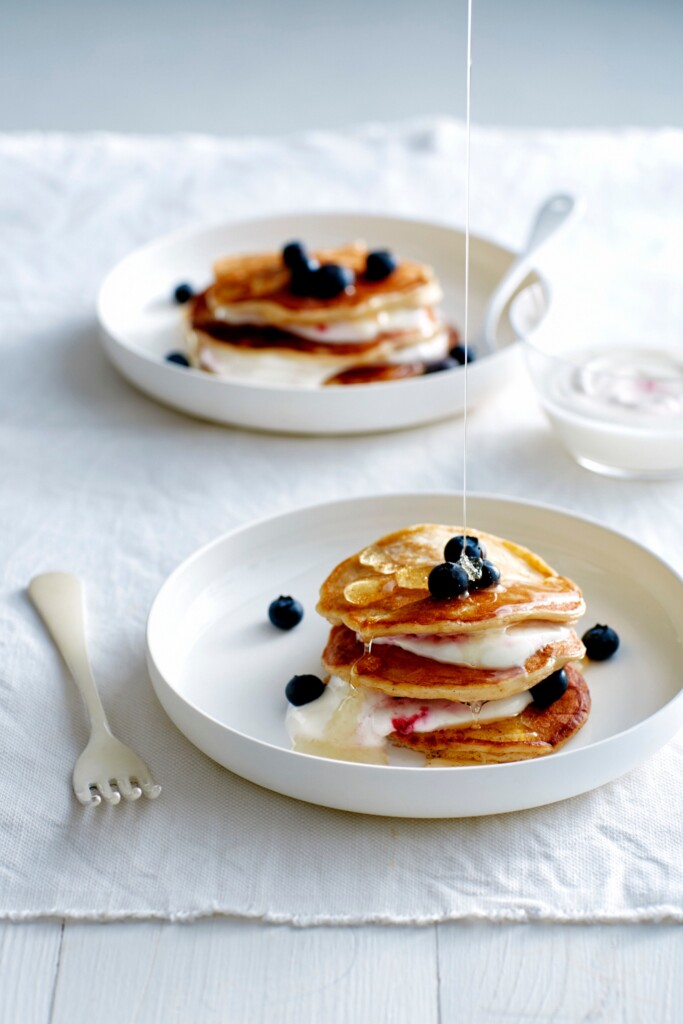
x: 382, y: 590
x: 534, y: 733
x: 401, y: 673
x: 258, y: 286
x: 250, y: 324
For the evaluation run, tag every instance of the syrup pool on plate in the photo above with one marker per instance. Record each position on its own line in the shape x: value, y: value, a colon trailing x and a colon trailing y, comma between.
x: 618, y: 409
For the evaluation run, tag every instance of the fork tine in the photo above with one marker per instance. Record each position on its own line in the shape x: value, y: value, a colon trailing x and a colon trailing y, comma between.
x: 127, y: 791
x: 148, y: 786
x: 85, y: 796
x: 109, y: 794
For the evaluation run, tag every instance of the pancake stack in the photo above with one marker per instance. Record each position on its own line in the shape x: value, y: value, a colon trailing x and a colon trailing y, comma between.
x: 482, y: 678
x: 254, y: 323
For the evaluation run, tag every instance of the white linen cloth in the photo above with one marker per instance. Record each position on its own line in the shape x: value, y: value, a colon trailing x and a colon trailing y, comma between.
x: 97, y: 479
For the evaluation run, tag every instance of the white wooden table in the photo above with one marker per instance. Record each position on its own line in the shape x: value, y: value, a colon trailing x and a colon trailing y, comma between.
x: 234, y: 971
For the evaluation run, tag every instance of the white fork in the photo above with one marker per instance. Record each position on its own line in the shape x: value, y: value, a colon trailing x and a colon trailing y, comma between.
x: 60, y: 600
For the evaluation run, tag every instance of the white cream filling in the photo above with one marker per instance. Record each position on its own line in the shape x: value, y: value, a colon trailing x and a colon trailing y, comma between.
x: 350, y: 717
x: 425, y: 351
x: 416, y: 321
x: 310, y: 721
x: 266, y: 366
x: 494, y: 649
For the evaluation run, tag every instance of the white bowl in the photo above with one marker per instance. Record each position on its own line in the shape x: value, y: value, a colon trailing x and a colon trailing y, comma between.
x: 219, y: 668
x: 140, y: 324
x: 616, y: 405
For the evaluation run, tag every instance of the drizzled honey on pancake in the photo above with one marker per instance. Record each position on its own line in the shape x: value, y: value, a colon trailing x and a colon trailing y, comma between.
x: 251, y: 323
x: 465, y: 680
x: 401, y: 673
x: 383, y: 589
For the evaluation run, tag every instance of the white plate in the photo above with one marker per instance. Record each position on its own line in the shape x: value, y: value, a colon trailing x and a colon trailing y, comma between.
x: 219, y: 668
x: 140, y: 324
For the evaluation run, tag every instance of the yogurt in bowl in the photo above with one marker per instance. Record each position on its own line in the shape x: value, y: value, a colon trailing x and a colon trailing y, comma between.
x: 617, y: 407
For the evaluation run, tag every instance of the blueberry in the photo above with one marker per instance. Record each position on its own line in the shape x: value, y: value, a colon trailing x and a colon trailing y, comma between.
x: 285, y: 612
x: 331, y: 280
x: 550, y: 689
x: 380, y: 264
x: 453, y: 550
x: 439, y: 365
x: 183, y: 293
x: 303, y: 689
x: 179, y: 358
x: 447, y: 580
x: 489, y: 575
x: 463, y: 354
x: 294, y: 254
x: 601, y: 642
x: 303, y: 278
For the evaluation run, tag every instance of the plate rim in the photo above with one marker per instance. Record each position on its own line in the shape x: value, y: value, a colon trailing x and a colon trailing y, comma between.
x: 413, y: 770
x: 180, y: 234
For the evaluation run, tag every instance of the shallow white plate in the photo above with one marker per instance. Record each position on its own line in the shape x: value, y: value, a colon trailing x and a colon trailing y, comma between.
x: 140, y: 324
x: 219, y: 668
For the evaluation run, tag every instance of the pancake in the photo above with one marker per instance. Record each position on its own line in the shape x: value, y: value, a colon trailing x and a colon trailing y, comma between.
x: 250, y: 324
x: 382, y: 590
x: 534, y: 733
x: 257, y: 286
x: 201, y: 320
x: 448, y: 679
x: 303, y: 366
x: 400, y: 673
x: 357, y: 724
x: 233, y: 349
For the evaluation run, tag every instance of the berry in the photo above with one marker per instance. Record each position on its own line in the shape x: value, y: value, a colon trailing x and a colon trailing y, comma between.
x: 183, y: 293
x: 331, y: 280
x: 285, y: 612
x: 304, y: 689
x: 303, y: 278
x: 294, y: 254
x: 601, y: 642
x: 379, y: 265
x: 439, y: 365
x: 463, y: 354
x: 489, y: 575
x: 550, y: 689
x: 179, y: 358
x: 453, y: 550
x: 447, y: 580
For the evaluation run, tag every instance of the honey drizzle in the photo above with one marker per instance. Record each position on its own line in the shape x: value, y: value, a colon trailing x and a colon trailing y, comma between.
x: 467, y: 273
x: 475, y: 707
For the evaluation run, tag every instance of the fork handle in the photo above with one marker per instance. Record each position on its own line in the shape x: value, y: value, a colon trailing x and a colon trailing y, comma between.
x: 59, y: 598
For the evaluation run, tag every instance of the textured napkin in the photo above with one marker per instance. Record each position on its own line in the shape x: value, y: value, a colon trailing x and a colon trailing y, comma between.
x: 97, y: 479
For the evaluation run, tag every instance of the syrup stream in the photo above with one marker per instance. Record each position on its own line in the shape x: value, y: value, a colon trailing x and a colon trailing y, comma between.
x: 467, y: 271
